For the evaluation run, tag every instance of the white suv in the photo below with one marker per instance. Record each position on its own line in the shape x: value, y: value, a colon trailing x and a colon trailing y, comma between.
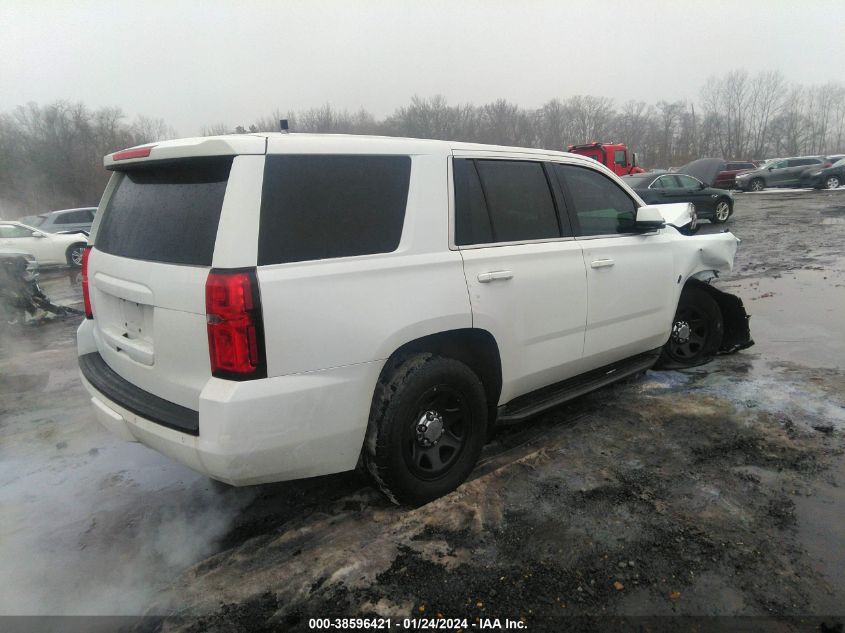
x: 276, y: 306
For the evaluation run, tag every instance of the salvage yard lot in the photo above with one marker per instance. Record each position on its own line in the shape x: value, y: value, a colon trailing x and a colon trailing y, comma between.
x: 713, y: 491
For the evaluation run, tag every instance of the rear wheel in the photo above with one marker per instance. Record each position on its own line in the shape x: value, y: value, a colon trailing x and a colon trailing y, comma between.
x: 832, y: 182
x: 696, y: 331
x: 723, y: 212
x: 74, y: 254
x: 757, y: 185
x: 427, y: 426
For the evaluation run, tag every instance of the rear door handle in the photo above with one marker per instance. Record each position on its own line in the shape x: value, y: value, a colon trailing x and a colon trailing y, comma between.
x: 495, y: 275
x: 602, y: 263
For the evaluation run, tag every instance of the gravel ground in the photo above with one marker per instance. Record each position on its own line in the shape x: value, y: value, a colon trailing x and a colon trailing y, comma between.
x: 711, y: 492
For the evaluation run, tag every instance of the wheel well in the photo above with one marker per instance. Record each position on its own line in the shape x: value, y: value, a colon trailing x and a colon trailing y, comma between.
x: 475, y: 348
x: 737, y: 334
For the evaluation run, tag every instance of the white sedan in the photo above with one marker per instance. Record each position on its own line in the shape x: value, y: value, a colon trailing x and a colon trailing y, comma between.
x: 49, y: 249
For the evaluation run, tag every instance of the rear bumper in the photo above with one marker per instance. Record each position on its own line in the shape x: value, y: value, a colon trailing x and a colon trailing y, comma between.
x: 259, y: 431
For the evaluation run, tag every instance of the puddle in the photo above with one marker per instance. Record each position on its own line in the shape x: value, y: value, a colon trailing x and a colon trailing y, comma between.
x: 797, y: 317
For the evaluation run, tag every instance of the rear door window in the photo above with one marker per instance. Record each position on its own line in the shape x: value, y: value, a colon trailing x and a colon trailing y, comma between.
x: 519, y: 200
x: 73, y: 217
x: 324, y: 206
x: 166, y: 212
x: 600, y: 206
x: 472, y: 222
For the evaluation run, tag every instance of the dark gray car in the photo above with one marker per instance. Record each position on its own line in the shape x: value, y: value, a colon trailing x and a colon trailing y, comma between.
x: 781, y: 172
x: 63, y: 221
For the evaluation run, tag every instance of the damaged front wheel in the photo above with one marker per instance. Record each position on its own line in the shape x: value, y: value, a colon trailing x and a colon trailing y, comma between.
x: 697, y: 331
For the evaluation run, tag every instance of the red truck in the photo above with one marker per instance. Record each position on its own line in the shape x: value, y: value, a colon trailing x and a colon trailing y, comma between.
x: 615, y: 156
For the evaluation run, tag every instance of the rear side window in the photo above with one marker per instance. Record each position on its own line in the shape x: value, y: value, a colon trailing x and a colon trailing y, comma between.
x: 73, y: 217
x: 518, y: 199
x: 324, y: 206
x: 472, y: 223
x: 166, y: 213
x: 601, y: 206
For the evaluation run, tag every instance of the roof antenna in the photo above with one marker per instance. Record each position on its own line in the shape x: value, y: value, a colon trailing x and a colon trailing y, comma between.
x: 283, y: 126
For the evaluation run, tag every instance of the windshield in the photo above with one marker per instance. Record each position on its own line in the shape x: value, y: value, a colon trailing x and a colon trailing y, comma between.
x: 839, y: 163
x: 638, y: 181
x: 34, y: 220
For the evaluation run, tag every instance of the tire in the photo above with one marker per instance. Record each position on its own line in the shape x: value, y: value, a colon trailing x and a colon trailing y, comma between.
x: 723, y: 211
x: 697, y: 331
x: 74, y: 254
x: 832, y: 182
x: 758, y: 184
x: 428, y: 423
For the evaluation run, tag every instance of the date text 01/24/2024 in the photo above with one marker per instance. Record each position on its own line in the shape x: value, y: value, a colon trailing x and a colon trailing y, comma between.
x: 415, y: 624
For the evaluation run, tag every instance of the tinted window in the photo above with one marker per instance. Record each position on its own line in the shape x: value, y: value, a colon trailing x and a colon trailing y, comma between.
x: 619, y: 157
x: 667, y: 182
x: 519, y: 200
x: 73, y: 217
x: 472, y: 224
x: 600, y: 205
x: 638, y: 182
x: 736, y: 166
x: 317, y: 207
x: 688, y: 182
x: 800, y: 162
x: 12, y: 230
x: 166, y: 213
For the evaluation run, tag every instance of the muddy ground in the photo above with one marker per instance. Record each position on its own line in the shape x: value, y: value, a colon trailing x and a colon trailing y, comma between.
x: 712, y: 492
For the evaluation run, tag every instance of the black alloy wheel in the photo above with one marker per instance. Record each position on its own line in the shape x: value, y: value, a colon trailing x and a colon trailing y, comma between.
x: 697, y: 331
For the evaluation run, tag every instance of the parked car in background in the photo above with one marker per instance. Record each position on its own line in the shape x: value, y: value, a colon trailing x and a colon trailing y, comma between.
x: 712, y: 204
x: 63, y: 221
x: 783, y: 172
x: 49, y: 249
x: 726, y: 178
x: 824, y: 177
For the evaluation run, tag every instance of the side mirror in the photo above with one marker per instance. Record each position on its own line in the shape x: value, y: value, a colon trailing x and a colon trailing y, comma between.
x: 701, y: 186
x: 771, y: 168
x: 38, y: 234
x: 633, y: 159
x: 649, y: 218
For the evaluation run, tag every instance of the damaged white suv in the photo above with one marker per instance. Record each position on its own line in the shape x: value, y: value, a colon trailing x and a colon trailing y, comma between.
x: 276, y: 306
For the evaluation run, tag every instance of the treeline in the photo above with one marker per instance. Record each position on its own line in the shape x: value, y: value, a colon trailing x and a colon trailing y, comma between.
x: 51, y: 156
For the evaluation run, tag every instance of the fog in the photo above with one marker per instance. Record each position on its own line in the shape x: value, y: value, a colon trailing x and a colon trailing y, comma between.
x: 197, y: 63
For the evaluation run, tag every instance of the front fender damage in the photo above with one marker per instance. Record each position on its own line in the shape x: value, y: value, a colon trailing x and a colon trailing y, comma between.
x: 702, y: 258
x: 737, y: 332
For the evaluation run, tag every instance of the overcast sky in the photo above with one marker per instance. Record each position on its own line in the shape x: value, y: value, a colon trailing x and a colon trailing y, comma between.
x: 199, y: 62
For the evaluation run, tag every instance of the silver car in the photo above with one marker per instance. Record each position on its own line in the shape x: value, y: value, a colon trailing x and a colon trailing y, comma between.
x: 63, y: 221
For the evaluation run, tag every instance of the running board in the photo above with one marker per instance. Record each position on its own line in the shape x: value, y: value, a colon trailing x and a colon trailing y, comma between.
x: 537, y: 402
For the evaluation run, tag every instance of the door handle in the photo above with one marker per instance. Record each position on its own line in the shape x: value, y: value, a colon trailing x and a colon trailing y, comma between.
x: 602, y: 263
x: 486, y: 278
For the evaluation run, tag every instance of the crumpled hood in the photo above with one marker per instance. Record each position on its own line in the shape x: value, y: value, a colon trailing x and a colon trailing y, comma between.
x: 705, y: 169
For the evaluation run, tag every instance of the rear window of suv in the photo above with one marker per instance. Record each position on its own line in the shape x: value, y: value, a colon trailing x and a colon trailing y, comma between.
x: 326, y: 206
x: 166, y: 212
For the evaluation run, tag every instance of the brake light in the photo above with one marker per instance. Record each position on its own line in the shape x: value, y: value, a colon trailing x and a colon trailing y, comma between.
x: 137, y: 152
x: 86, y: 293
x: 235, y: 327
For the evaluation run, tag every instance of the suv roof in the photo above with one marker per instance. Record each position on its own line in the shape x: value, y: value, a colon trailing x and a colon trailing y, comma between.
x: 257, y: 143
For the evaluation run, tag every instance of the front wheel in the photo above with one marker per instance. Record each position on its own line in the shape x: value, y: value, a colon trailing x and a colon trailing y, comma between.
x: 832, y: 182
x: 697, y: 331
x: 723, y: 212
x: 757, y: 185
x: 428, y: 423
x: 74, y: 254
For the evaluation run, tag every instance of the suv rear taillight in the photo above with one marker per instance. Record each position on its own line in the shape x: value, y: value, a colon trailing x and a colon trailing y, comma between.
x: 235, y: 328
x: 86, y: 293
